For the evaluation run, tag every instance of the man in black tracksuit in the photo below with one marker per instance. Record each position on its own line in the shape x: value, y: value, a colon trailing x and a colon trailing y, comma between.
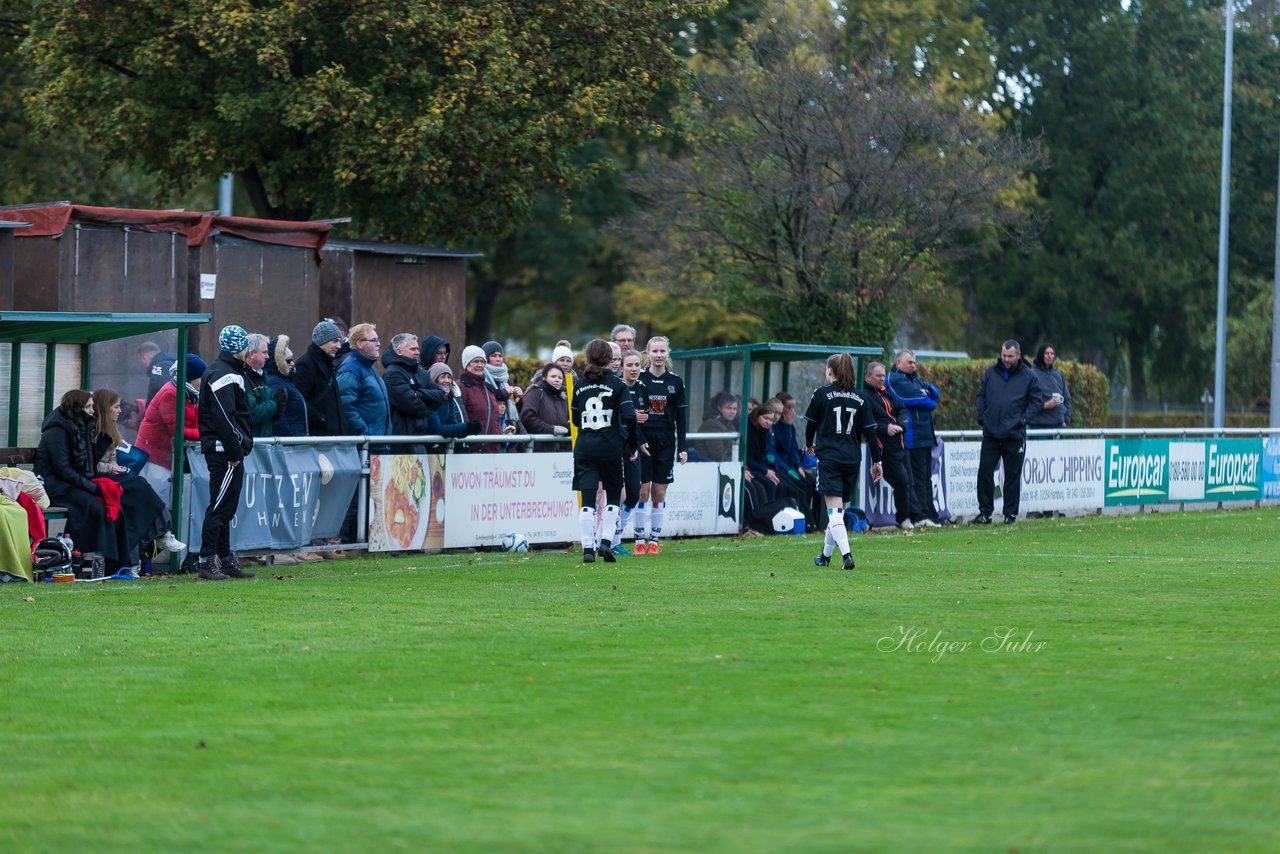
x: 226, y: 438
x: 1009, y: 395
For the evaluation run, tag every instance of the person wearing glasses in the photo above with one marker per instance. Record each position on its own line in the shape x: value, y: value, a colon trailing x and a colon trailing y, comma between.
x: 365, y: 406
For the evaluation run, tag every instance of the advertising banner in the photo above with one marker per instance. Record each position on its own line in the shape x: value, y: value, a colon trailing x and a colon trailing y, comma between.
x: 488, y: 495
x: 292, y: 494
x: 878, y: 497
x: 470, y: 500
x: 1058, y: 474
x: 1155, y: 471
x: 1271, y: 468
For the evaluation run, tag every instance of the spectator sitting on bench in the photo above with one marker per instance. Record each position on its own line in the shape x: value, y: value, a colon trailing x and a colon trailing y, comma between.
x: 146, y: 516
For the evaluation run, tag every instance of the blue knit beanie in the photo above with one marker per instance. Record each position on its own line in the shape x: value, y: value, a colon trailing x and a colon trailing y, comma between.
x: 233, y: 339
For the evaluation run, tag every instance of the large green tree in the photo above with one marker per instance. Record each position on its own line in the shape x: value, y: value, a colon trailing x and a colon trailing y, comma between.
x: 821, y: 196
x: 1127, y: 98
x: 421, y: 119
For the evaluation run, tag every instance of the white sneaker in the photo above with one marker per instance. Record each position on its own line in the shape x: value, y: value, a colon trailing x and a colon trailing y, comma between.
x: 906, y: 525
x: 927, y: 523
x: 172, y: 543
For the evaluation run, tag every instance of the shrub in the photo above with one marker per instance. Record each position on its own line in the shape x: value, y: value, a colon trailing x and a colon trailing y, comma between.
x: 957, y: 380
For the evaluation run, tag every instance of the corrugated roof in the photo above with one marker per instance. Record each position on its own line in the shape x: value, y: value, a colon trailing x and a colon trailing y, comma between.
x: 772, y: 351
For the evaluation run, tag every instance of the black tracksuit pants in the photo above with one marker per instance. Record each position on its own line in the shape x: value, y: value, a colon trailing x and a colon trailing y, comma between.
x: 1012, y: 450
x: 225, y: 482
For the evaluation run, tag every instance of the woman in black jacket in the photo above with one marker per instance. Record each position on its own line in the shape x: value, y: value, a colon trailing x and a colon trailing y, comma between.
x: 66, y: 463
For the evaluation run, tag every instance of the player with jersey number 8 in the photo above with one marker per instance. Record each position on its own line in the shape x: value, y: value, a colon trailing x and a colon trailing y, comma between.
x: 601, y: 411
x: 839, y: 419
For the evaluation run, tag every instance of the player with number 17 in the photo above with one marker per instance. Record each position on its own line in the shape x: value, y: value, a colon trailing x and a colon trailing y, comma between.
x: 839, y: 419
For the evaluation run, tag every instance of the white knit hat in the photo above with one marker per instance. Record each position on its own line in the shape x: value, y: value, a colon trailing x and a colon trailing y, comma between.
x: 470, y: 354
x: 560, y: 353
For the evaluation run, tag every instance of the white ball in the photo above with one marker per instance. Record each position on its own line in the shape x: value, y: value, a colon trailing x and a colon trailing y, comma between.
x: 514, y: 542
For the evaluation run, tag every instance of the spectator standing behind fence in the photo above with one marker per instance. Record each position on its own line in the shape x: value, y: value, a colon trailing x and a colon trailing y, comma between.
x: 146, y: 516
x: 624, y: 336
x: 66, y: 463
x: 433, y: 349
x: 263, y: 404
x: 499, y: 379
x: 1008, y: 395
x: 291, y: 412
x: 919, y: 399
x: 889, y: 434
x: 226, y: 438
x: 410, y: 391
x: 1056, y: 409
x: 545, y: 408
x: 450, y: 419
x: 155, y: 436
x: 480, y: 400
x: 316, y: 379
x: 562, y: 357
x: 365, y: 408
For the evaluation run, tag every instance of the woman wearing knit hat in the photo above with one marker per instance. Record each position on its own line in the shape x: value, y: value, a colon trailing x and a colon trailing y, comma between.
x: 448, y: 420
x: 479, y: 399
x: 160, y: 422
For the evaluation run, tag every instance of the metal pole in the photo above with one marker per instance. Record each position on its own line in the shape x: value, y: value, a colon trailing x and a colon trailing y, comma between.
x: 1275, y: 325
x: 225, y: 186
x: 1224, y: 211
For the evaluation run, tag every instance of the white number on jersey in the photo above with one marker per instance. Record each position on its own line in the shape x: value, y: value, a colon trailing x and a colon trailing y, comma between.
x: 594, y: 415
x: 843, y: 428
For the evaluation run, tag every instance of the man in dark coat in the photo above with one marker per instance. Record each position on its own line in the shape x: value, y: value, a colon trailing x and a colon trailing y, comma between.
x: 1008, y: 396
x: 410, y: 391
x: 890, y: 434
x: 315, y: 377
x: 434, y: 349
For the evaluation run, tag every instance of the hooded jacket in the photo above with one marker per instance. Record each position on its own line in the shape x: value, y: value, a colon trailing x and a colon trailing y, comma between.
x: 1008, y: 399
x: 226, y: 426
x: 315, y: 377
x: 1051, y: 380
x: 291, y: 419
x: 65, y: 455
x: 410, y: 393
x: 427, y: 347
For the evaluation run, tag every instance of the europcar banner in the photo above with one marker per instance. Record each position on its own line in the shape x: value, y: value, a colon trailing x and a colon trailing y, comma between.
x: 292, y: 494
x: 1156, y: 471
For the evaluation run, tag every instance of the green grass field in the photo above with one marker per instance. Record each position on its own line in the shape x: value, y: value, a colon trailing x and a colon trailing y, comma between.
x: 724, y: 696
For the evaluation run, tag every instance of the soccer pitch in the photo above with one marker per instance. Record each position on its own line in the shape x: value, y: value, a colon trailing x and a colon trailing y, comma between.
x: 1092, y: 684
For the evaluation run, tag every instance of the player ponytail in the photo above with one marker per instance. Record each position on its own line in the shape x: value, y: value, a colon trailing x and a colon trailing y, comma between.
x: 841, y: 367
x: 598, y: 355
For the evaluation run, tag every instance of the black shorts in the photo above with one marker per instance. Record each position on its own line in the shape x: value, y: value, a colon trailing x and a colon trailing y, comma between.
x: 660, y: 465
x: 589, y: 474
x: 631, y: 478
x: 838, y: 479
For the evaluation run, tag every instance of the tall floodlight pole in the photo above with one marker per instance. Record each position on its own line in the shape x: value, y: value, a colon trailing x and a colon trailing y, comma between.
x: 1275, y: 326
x: 1224, y: 210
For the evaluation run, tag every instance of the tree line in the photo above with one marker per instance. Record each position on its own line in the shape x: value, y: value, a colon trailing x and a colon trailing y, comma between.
x: 945, y: 173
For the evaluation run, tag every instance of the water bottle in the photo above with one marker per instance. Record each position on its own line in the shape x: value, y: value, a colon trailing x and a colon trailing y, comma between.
x: 77, y: 561
x: 64, y: 537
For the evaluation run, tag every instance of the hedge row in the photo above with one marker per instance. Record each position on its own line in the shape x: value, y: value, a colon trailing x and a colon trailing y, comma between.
x: 957, y: 380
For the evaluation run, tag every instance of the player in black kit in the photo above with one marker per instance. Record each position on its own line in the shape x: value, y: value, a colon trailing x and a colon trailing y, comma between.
x: 606, y: 422
x: 665, y: 433
x: 838, y: 420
